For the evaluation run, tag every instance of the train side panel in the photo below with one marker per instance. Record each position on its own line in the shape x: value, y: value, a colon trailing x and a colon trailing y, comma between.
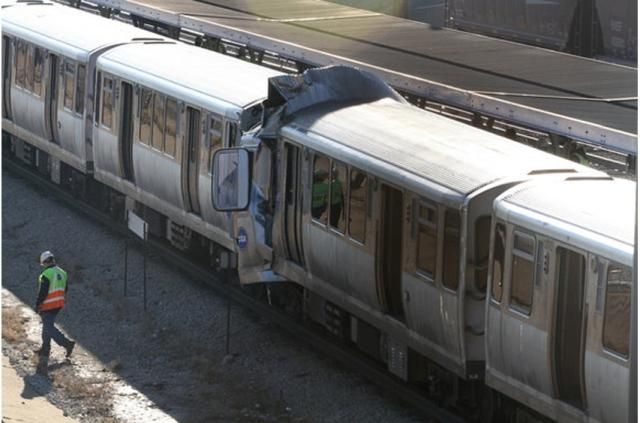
x: 560, y: 271
x: 607, y: 358
x: 51, y: 64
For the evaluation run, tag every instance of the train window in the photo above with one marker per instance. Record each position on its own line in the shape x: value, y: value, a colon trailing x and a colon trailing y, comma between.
x: 262, y: 178
x: 80, y: 90
x: 21, y: 53
x: 214, y: 137
x: 146, y: 98
x: 157, y: 136
x: 481, y: 241
x: 499, y: 245
x: 29, y: 68
x: 98, y: 100
x: 172, y: 119
x: 358, y: 205
x: 617, y: 309
x: 522, y: 272
x: 69, y: 84
x: 320, y: 188
x: 38, y: 70
x: 524, y: 242
x: 107, y: 102
x: 232, y: 134
x: 337, y: 212
x: 427, y: 240
x: 451, y: 260
x: 215, y: 133
x: 602, y: 275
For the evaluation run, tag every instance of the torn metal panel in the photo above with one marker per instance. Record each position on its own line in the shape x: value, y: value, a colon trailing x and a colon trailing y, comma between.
x: 332, y: 85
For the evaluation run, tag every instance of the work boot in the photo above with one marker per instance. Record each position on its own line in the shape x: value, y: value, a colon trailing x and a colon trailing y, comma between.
x: 39, y: 352
x: 70, y: 349
x: 43, y: 366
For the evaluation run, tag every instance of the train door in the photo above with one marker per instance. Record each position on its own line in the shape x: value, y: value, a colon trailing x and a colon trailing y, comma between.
x: 293, y: 203
x: 389, y: 257
x: 6, y: 77
x: 190, y: 154
x: 51, y: 99
x: 126, y: 131
x: 570, y: 327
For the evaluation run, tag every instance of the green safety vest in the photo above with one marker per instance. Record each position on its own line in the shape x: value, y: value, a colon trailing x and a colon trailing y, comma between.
x: 321, y: 192
x: 57, y: 288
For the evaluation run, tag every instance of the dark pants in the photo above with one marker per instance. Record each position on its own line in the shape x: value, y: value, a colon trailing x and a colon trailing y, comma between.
x: 50, y: 331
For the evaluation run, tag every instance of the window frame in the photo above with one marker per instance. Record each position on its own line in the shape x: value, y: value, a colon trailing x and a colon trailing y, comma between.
x: 345, y: 193
x: 317, y: 156
x: 434, y: 224
x: 65, y: 74
x: 141, y: 92
x: 20, y: 52
x: 350, y: 170
x: 176, y: 114
x: 29, y: 66
x: 80, y: 89
x: 38, y: 70
x: 446, y: 230
x: 478, y: 245
x: 103, y: 91
x: 605, y: 347
x: 532, y: 257
x: 163, y: 121
x: 210, y: 131
x: 232, y: 133
x: 505, y: 244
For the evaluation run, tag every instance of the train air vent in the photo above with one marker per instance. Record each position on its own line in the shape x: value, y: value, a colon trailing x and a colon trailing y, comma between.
x: 551, y: 171
x: 589, y: 178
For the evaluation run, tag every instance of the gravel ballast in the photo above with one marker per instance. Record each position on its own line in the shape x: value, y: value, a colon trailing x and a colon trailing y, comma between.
x: 169, y: 363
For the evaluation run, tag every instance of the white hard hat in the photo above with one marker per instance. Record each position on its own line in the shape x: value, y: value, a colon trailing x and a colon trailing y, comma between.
x: 45, y: 257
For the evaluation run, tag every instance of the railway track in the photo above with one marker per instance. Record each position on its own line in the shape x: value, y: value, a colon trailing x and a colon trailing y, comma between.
x: 349, y: 357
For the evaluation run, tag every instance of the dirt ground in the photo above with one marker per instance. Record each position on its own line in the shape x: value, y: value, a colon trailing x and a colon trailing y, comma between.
x: 165, y: 364
x: 22, y: 403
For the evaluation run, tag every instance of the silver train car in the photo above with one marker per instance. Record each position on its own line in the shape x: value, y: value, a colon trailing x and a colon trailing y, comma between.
x: 382, y: 214
x: 560, y: 297
x: 437, y: 248
x: 47, y: 83
x: 103, y: 109
x: 159, y: 123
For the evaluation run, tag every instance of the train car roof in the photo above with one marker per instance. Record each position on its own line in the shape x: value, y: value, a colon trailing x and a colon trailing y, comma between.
x: 66, y: 30
x: 405, y: 141
x: 184, y: 70
x: 588, y: 213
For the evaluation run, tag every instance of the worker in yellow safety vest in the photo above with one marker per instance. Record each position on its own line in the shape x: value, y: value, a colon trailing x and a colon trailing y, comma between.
x: 51, y: 296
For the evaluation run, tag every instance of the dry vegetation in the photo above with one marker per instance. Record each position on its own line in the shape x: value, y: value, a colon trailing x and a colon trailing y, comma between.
x: 96, y: 391
x: 93, y: 391
x: 13, y: 322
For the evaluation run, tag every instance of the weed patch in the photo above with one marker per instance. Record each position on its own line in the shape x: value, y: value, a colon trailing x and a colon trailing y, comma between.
x: 13, y: 322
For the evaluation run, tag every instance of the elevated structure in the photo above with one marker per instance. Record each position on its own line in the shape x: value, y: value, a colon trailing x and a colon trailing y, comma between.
x: 567, y: 97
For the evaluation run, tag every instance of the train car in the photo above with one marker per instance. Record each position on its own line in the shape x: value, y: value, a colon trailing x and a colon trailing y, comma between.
x: 378, y: 213
x: 382, y: 213
x: 560, y: 298
x: 48, y: 89
x: 127, y: 119
x: 163, y: 111
x: 604, y: 29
